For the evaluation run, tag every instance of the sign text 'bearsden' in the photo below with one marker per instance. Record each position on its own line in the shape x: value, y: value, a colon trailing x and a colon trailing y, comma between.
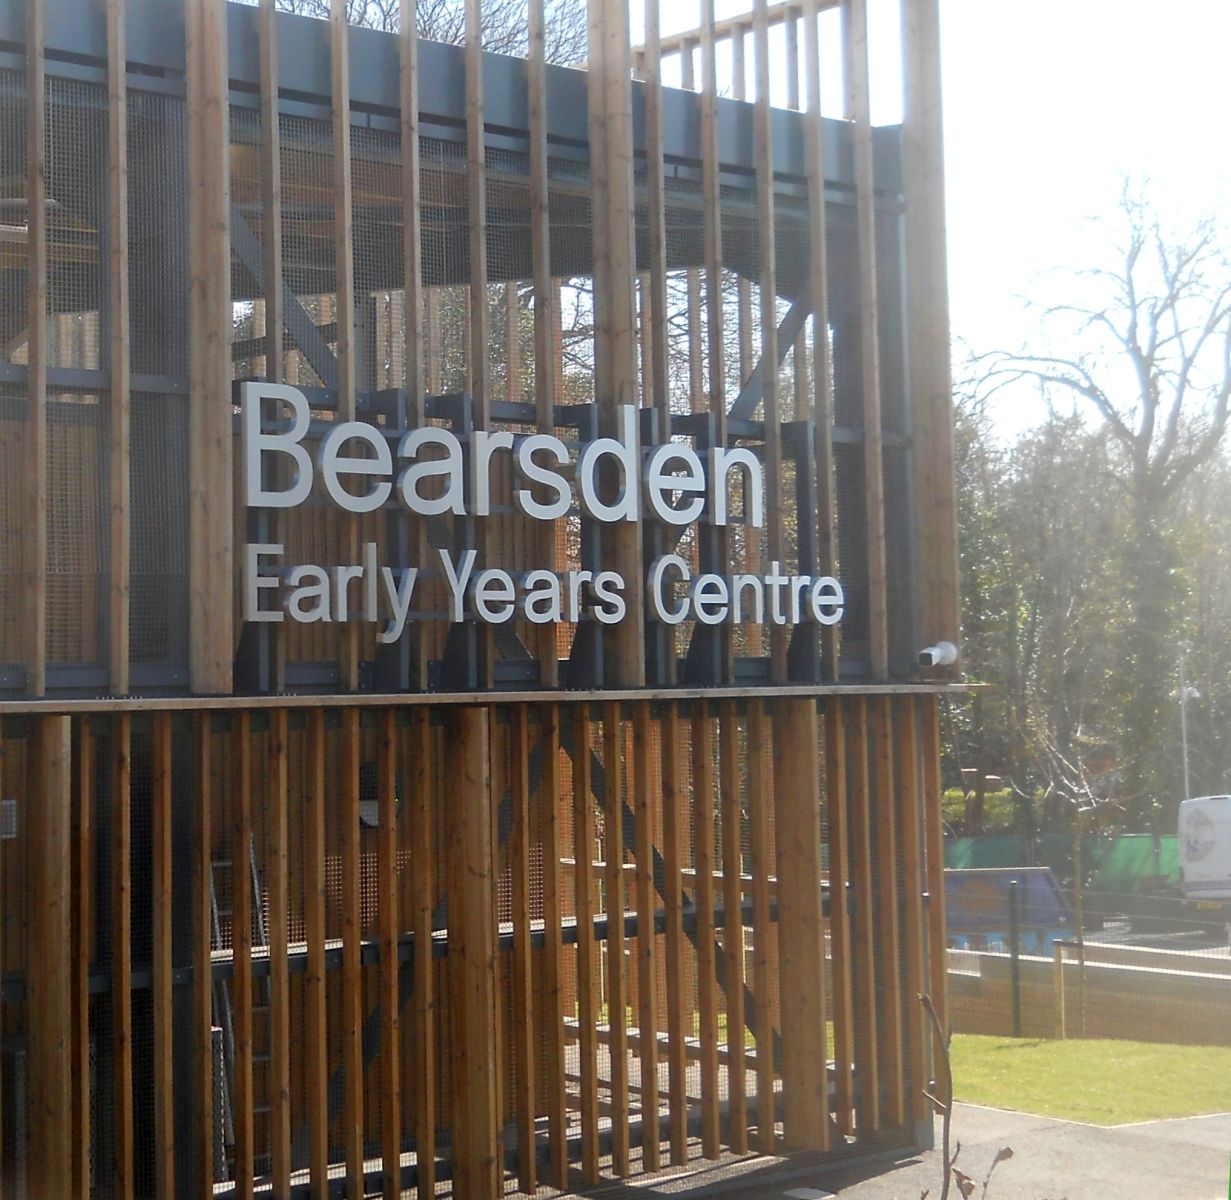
x: 428, y: 471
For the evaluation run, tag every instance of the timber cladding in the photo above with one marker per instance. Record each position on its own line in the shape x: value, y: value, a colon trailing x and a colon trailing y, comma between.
x: 468, y: 529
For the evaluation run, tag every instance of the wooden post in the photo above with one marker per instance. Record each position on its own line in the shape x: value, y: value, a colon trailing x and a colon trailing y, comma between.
x: 858, y: 111
x: 760, y: 801
x: 841, y: 964
x: 733, y: 931
x: 767, y: 283
x: 164, y: 1033
x: 315, y: 1037
x: 35, y: 448
x: 202, y: 983
x: 390, y: 1006
x: 866, y: 1025
x: 83, y: 938
x: 587, y: 954
x: 121, y: 950
x: 49, y: 1117
x: 119, y: 402
x: 613, y: 848
x: 934, y: 844
x: 210, y: 514
x: 927, y: 315
x: 423, y: 899
x: 472, y: 956
x: 801, y: 938
x: 674, y: 799
x: 344, y: 272
x: 611, y: 157
x: 644, y: 803
x: 279, y: 973
x: 888, y: 940
x: 707, y: 982
x: 523, y: 992
x: 242, y: 1115
x: 552, y: 1000
x: 352, y: 935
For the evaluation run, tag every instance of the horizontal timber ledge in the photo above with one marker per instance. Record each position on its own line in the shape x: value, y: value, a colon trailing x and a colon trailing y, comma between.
x: 167, y: 704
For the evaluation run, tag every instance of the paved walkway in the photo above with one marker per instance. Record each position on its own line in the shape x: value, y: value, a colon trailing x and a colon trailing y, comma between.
x: 1052, y: 1160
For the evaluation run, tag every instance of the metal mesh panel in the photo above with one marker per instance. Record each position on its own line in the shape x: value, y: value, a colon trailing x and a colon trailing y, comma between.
x: 13, y: 217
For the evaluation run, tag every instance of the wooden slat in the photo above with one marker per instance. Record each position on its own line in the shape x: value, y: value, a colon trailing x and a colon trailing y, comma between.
x: 858, y: 111
x: 344, y: 267
x: 162, y: 910
x: 767, y: 283
x: 271, y: 194
x: 715, y: 324
x: 927, y: 311
x: 211, y: 513
x: 888, y: 945
x: 841, y: 962
x: 390, y: 1004
x: 867, y: 1040
x: 121, y: 952
x: 934, y: 844
x: 277, y: 873
x: 799, y: 365
x: 760, y: 793
x: 909, y: 821
x: 478, y: 324
x: 83, y: 934
x: 352, y: 935
x: 271, y: 255
x: 477, y: 1171
x: 801, y: 944
x: 119, y: 402
x: 615, y: 265
x: 202, y: 986
x: 587, y: 952
x: 733, y: 930
x: 242, y: 1116
x: 34, y: 516
x: 552, y: 995
x: 617, y: 991
x: 523, y: 991
x: 544, y: 297
x: 643, y: 801
x: 660, y: 394
x: 412, y: 283
x: 315, y: 1041
x: 822, y: 361
x: 48, y: 859
x: 703, y: 791
x: 423, y: 796
x: 674, y: 793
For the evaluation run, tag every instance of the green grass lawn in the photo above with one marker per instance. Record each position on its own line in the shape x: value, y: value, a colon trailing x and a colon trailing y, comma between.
x: 1100, y: 1082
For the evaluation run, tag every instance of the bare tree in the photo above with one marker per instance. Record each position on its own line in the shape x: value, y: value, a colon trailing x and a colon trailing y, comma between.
x: 1144, y: 347
x: 504, y: 23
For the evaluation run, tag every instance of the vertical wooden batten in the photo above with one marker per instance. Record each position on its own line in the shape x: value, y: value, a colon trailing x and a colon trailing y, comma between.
x: 344, y: 272
x: 352, y: 936
x: 801, y: 946
x: 210, y: 487
x: 163, y: 910
x: 858, y: 110
x: 202, y: 958
x: 927, y: 315
x: 767, y: 284
x: 413, y: 336
x: 643, y: 801
x: 315, y: 901
x: 35, y: 498
x: 277, y: 802
x: 472, y: 963
x: 242, y: 1116
x: 48, y: 845
x: 121, y: 952
x: 544, y: 294
x: 119, y: 409
x: 389, y: 1003
x: 615, y: 263
x: 822, y: 360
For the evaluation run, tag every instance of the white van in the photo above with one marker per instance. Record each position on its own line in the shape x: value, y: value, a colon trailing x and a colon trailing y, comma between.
x: 1205, y: 848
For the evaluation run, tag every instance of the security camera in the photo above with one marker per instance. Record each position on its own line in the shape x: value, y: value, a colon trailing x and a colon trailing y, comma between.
x: 943, y: 654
